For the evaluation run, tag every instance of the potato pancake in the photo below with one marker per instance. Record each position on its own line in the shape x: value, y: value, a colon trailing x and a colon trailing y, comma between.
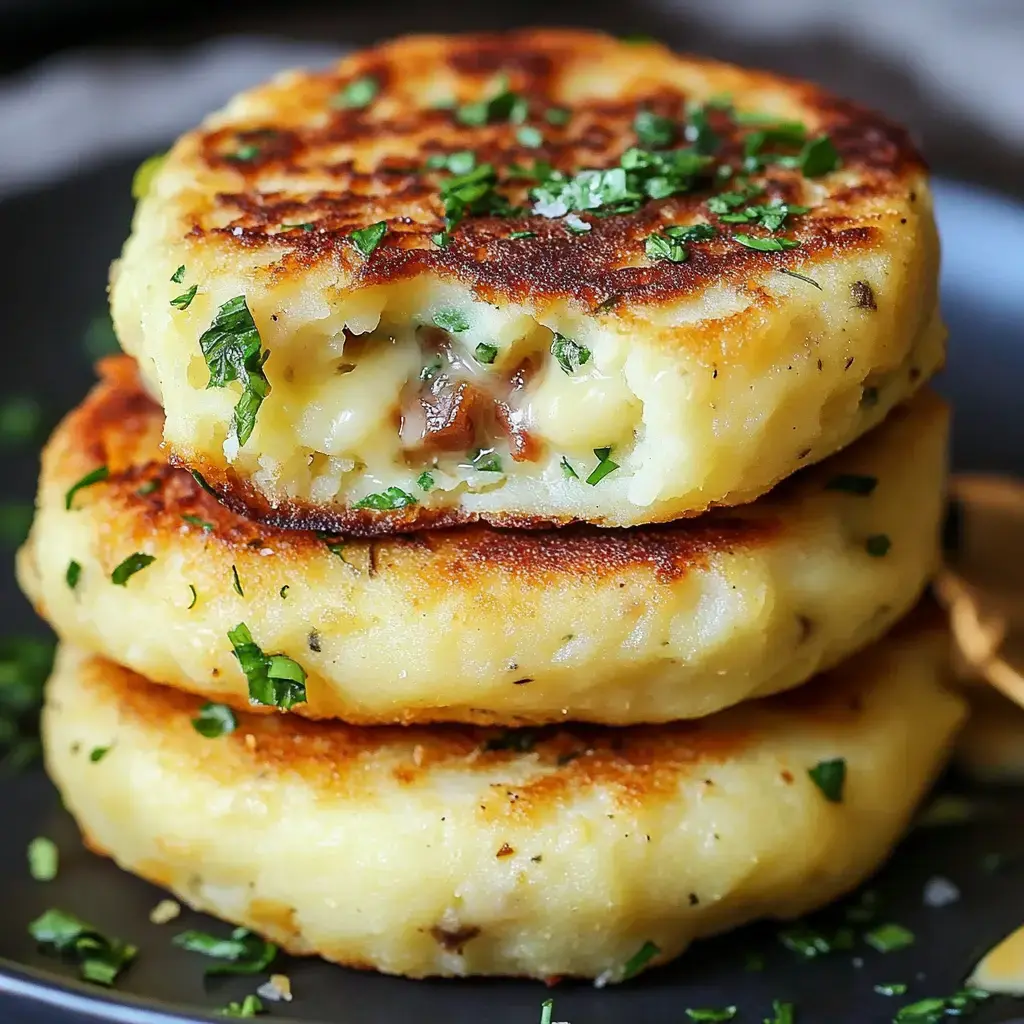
x: 473, y: 623
x: 532, y: 278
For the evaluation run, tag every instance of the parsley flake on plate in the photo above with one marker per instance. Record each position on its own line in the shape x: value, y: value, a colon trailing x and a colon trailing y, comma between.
x: 782, y: 1013
x: 357, y: 94
x: 275, y: 680
x: 97, y: 476
x: 571, y: 355
x: 384, y: 501
x: 135, y: 562
x: 897, y: 988
x: 241, y: 953
x: 830, y: 778
x: 233, y: 351
x: 711, y: 1015
x: 100, y: 958
x: 250, y: 1006
x: 215, y: 720
x: 43, y: 859
x: 887, y: 938
x: 639, y: 960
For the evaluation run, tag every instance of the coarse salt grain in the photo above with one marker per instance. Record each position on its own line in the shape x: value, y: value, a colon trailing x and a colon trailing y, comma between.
x: 940, y: 892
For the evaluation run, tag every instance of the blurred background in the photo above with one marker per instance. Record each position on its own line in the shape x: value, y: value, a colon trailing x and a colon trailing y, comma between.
x: 84, y: 80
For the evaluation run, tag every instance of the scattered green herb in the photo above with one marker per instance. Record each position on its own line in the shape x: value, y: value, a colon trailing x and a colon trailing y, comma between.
x: 470, y: 193
x: 195, y: 597
x: 529, y: 136
x: 486, y: 460
x: 274, y: 679
x: 830, y: 778
x: 283, y: 592
x: 99, y: 957
x: 504, y: 105
x: 701, y: 232
x: 654, y: 131
x: 639, y: 960
x: 782, y: 1013
x: 20, y: 419
x: 546, y: 1010
x: 178, y: 277
x: 894, y: 989
x: 357, y: 94
x: 184, y: 300
x: 800, y: 277
x: 698, y: 131
x: 97, y: 476
x: 878, y: 545
x: 603, y: 468
x: 765, y: 244
x: 367, y: 239
x: 73, y: 574
x: 485, y: 353
x: 567, y: 471
x: 809, y: 943
x: 819, y: 157
x: 462, y: 161
x: 233, y: 351
x: 454, y: 321
x: 425, y: 482
x: 931, y: 1011
x: 135, y: 562
x: 513, y: 235
x: 204, y: 524
x: 557, y: 115
x: 384, y: 501
x: 236, y: 583
x: 43, y: 859
x: 726, y: 1013
x: 97, y: 754
x: 242, y: 953
x: 659, y: 247
x: 250, y: 1006
x: 571, y: 355
x: 215, y: 720
x: 887, y: 938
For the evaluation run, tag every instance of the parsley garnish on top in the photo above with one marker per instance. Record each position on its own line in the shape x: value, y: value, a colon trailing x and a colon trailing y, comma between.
x: 96, y: 476
x: 274, y: 680
x: 639, y: 960
x: 603, y: 468
x: 215, y: 720
x: 358, y: 93
x: 384, y: 501
x: 233, y: 351
x: 504, y: 105
x: 830, y: 778
x: 134, y: 563
x: 367, y: 239
x: 571, y: 355
x: 242, y: 953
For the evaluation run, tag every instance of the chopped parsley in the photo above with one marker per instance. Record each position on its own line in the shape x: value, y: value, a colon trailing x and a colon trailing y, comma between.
x: 43, y: 859
x: 639, y: 960
x: 97, y: 754
x: 782, y: 1013
x: 853, y: 483
x: 201, y: 480
x: 135, y: 562
x: 698, y: 131
x: 654, y: 131
x: 818, y: 157
x: 830, y: 778
x: 887, y: 938
x: 250, y: 1006
x: 765, y: 244
x: 215, y: 720
x: 931, y: 1011
x: 178, y: 276
x: 810, y: 944
x: 73, y: 574
x: 701, y: 232
x: 894, y: 989
x: 454, y: 321
x: 659, y: 247
x: 236, y: 583
x: 603, y: 468
x: 204, y: 524
x: 567, y: 471
x: 97, y: 476
x: 462, y: 161
x: 20, y: 419
x: 184, y: 300
x: 425, y: 482
x: 242, y: 953
x: 504, y: 105
x: 233, y: 351
x: 195, y: 597
x: 485, y: 353
x: 571, y: 355
x: 878, y: 545
x: 367, y: 239
x: 486, y: 460
x: 546, y: 1010
x: 800, y: 277
x: 513, y: 235
x: 470, y: 193
x: 771, y: 216
x: 283, y: 592
x: 357, y: 94
x: 275, y: 680
x: 529, y: 136
x: 100, y: 958
x: 384, y: 501
x: 557, y: 115
x: 726, y: 1013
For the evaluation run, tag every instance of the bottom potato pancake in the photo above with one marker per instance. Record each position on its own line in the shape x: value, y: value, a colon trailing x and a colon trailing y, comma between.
x: 476, y: 624
x: 458, y: 850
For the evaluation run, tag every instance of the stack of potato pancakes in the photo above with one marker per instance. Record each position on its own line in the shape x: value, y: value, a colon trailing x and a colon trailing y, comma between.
x: 496, y: 552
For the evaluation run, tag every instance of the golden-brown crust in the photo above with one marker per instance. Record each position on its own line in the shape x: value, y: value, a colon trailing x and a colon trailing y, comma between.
x: 119, y: 426
x: 342, y: 169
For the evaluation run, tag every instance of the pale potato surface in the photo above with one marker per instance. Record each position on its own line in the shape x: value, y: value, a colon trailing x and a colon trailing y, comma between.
x: 455, y: 850
x: 709, y: 379
x: 478, y: 624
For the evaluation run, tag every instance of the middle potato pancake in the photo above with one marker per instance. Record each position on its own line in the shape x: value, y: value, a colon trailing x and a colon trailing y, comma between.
x: 475, y: 624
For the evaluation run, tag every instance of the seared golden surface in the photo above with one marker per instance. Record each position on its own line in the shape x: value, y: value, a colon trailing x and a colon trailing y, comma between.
x: 710, y: 379
x: 454, y: 850
x: 477, y: 624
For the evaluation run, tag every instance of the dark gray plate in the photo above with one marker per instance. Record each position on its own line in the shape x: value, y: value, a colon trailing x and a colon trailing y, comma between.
x: 59, y: 243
